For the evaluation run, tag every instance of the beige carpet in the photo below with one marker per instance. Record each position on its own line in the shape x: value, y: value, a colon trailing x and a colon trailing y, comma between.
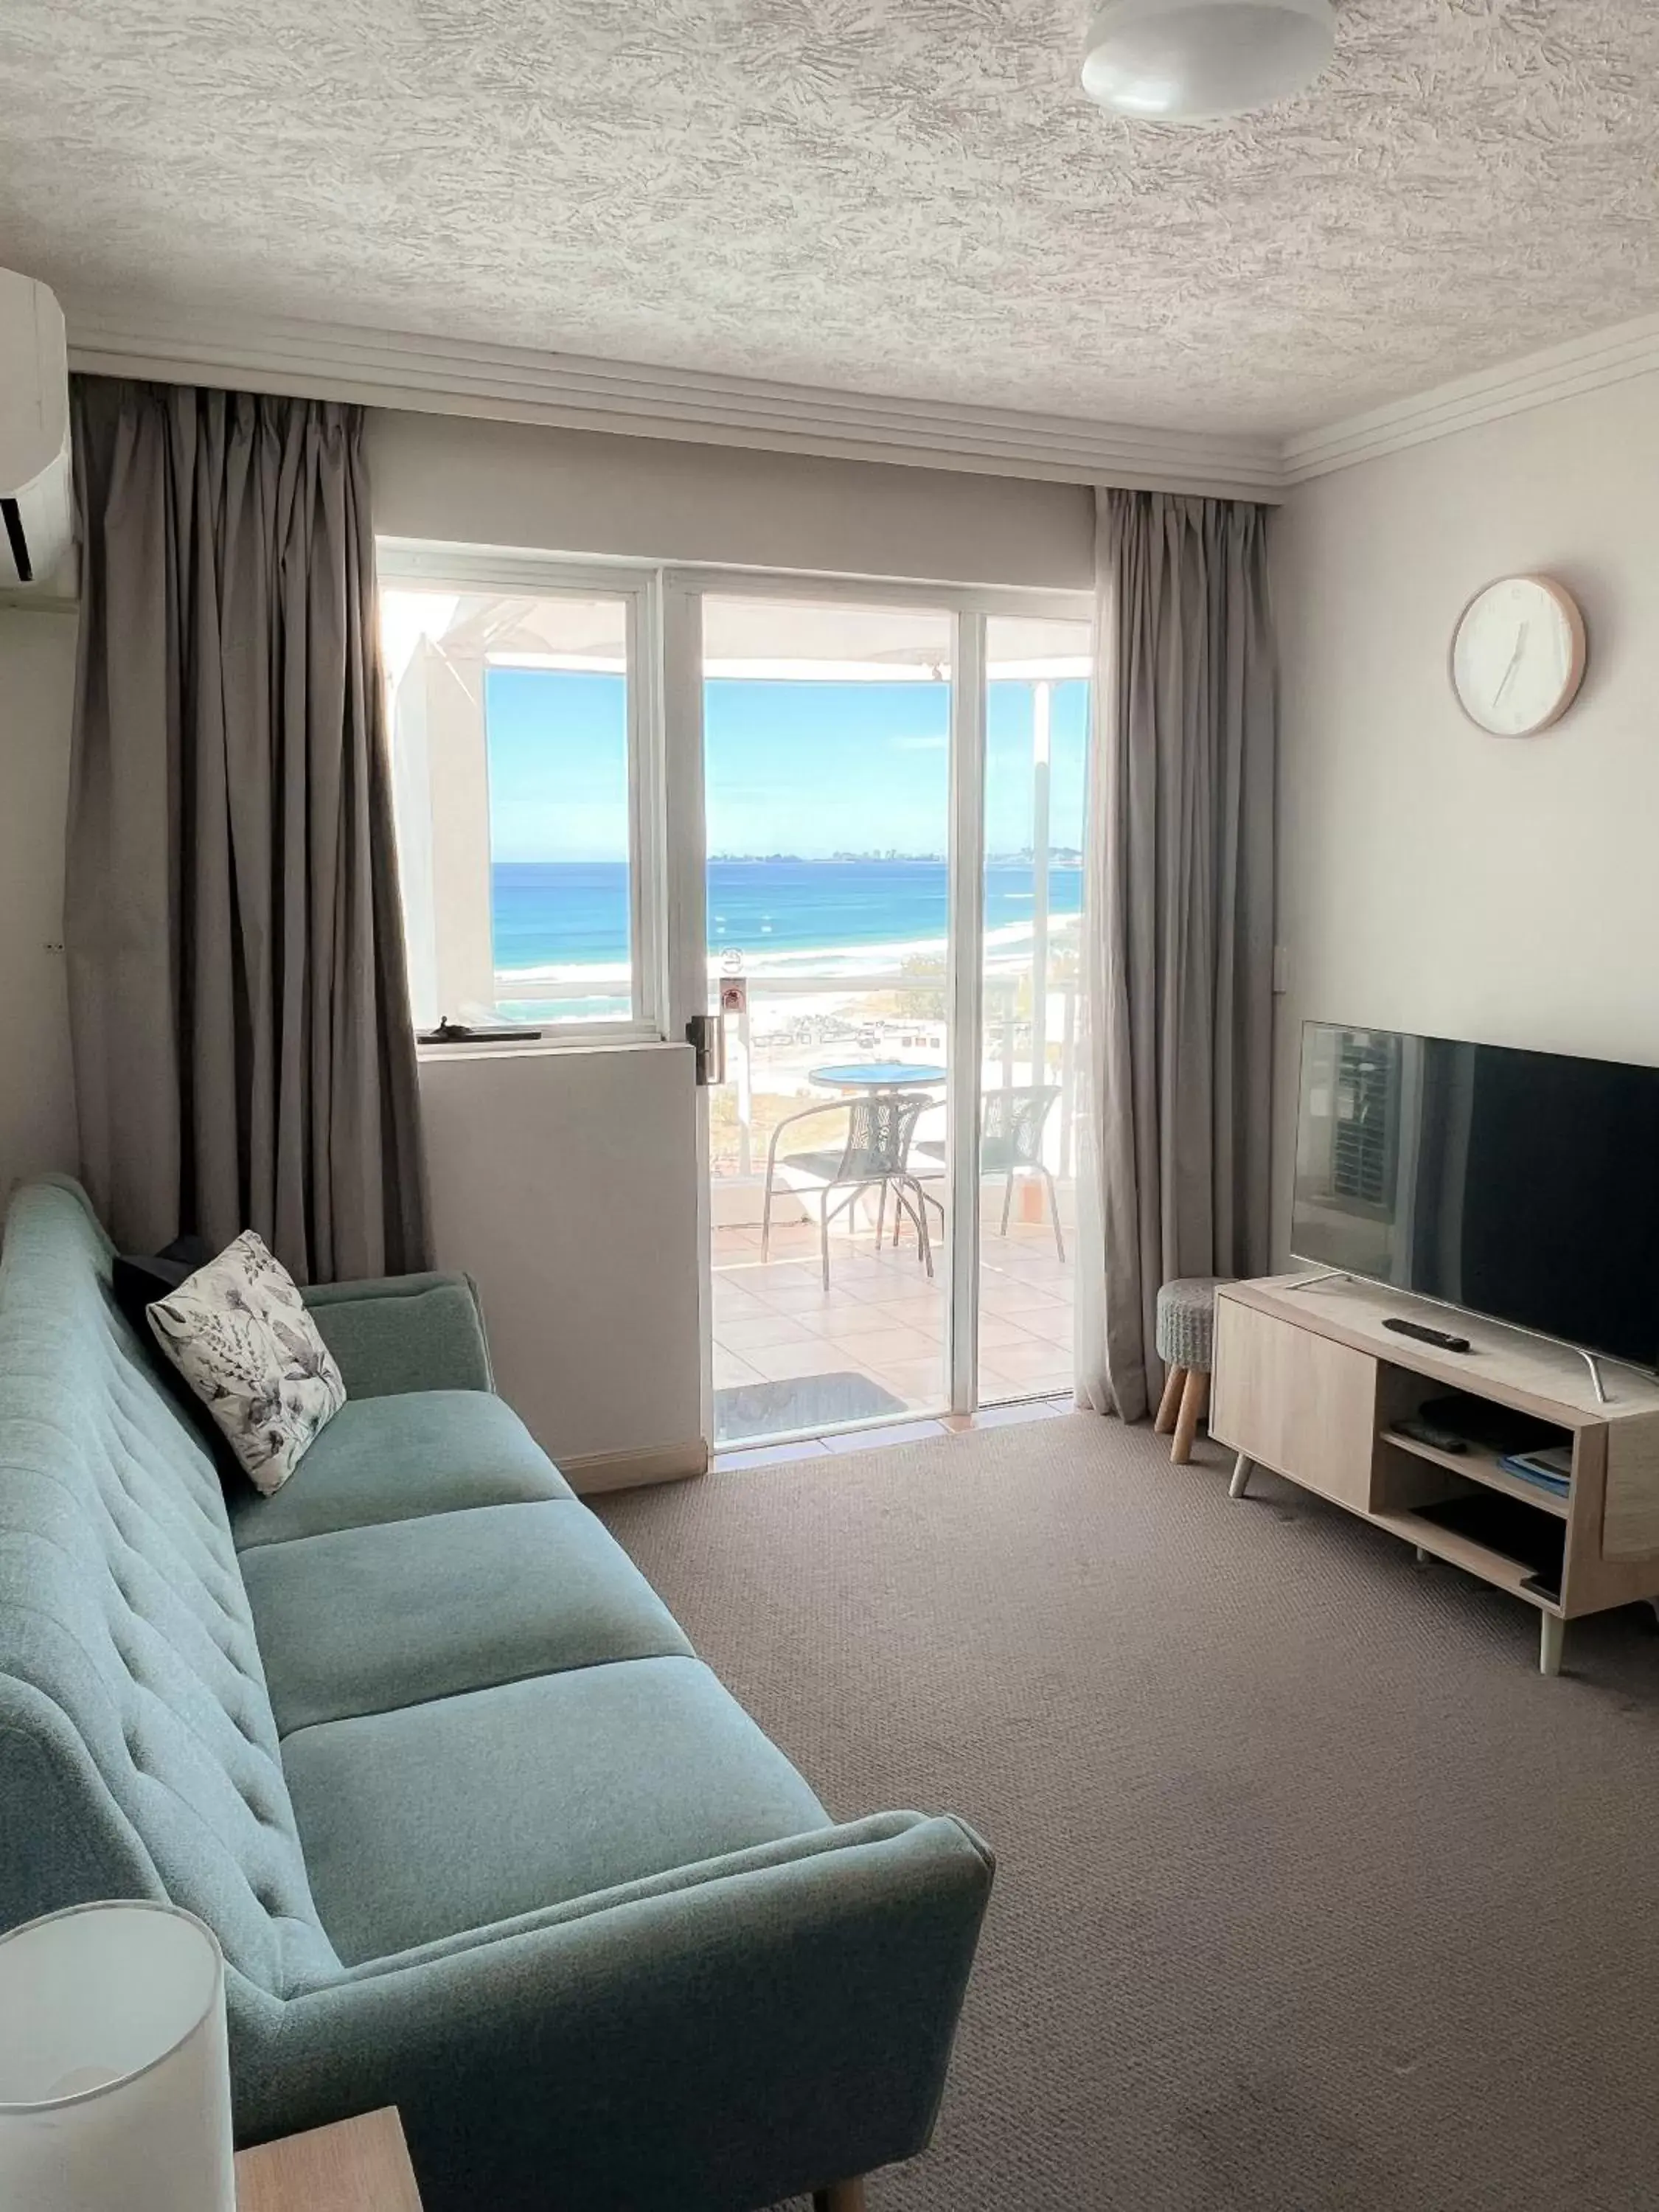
x: 1313, y: 1895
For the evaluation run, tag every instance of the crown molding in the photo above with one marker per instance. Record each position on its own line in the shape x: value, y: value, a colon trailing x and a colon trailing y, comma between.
x: 1562, y: 372
x: 453, y: 376
x: 457, y: 376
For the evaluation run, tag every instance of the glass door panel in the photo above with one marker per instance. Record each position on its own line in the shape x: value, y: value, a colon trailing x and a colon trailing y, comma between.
x: 827, y: 794
x: 1037, y: 722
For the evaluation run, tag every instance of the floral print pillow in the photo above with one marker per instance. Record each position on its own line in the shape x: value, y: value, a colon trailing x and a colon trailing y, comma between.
x: 238, y: 1331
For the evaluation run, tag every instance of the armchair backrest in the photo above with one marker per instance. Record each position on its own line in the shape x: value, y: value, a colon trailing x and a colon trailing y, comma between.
x: 1012, y: 1123
x: 879, y: 1129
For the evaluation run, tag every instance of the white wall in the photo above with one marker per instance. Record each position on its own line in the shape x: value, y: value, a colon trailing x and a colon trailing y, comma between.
x: 564, y: 1183
x: 588, y: 491
x: 1433, y: 877
x: 37, y: 1097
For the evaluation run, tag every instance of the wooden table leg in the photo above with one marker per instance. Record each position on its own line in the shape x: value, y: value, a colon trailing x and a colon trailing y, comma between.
x: 844, y: 2196
x: 1194, y: 1397
x: 1169, y: 1404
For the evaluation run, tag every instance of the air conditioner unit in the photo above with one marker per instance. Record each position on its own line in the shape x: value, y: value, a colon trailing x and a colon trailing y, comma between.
x: 36, y: 525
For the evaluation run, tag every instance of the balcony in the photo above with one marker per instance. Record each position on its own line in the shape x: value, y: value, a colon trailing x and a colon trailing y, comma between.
x: 793, y: 1356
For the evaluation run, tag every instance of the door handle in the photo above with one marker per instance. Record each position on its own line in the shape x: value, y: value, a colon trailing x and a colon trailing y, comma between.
x: 706, y: 1035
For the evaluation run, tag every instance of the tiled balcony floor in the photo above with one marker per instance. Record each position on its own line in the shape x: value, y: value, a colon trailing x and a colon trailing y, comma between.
x: 882, y: 1319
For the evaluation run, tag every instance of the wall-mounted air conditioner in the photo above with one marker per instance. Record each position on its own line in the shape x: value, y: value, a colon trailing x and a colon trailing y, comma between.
x: 35, y: 502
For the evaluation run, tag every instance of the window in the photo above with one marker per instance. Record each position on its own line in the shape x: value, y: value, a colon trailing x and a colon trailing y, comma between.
x: 519, y: 774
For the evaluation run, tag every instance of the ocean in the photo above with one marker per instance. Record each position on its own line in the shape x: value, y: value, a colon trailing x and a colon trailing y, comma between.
x: 560, y: 914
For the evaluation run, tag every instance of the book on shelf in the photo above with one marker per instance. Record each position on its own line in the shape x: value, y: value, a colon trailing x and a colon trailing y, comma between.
x: 1549, y: 1469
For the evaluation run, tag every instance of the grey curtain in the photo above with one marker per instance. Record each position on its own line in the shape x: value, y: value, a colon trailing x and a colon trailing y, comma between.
x: 237, y: 996
x: 1180, y: 931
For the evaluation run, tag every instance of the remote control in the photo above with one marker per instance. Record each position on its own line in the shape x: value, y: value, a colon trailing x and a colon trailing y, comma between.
x: 1430, y: 1433
x: 1439, y: 1337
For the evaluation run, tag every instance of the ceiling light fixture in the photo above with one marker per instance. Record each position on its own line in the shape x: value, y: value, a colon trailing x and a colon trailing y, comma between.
x: 1191, y: 61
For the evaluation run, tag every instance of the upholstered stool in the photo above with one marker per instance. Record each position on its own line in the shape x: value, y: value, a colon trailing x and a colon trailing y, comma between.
x: 1186, y: 1330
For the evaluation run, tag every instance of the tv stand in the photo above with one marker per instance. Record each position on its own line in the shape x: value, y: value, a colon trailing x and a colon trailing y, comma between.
x: 1308, y: 1382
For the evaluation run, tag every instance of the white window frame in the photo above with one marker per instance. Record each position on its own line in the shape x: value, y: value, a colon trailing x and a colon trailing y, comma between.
x: 431, y: 565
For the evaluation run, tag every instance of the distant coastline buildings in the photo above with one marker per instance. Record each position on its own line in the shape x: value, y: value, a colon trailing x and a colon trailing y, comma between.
x: 1059, y: 856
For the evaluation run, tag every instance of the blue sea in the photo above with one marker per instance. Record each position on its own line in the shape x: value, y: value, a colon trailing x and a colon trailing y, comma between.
x: 567, y: 912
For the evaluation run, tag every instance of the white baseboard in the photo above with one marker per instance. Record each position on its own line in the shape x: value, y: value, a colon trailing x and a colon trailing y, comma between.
x: 588, y: 1472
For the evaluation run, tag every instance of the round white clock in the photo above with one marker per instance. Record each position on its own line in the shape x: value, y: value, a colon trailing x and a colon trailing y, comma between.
x: 1517, y: 657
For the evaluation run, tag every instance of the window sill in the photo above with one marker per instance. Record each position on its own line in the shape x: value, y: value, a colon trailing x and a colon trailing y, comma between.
x: 619, y: 1039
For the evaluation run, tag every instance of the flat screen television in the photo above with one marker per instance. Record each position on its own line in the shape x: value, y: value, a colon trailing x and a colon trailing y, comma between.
x: 1523, y: 1186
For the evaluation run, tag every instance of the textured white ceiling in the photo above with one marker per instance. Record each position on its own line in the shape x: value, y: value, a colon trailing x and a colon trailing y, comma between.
x: 906, y: 197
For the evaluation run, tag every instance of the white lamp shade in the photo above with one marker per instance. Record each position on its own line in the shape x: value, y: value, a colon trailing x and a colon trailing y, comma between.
x: 1192, y: 61
x: 114, y: 2067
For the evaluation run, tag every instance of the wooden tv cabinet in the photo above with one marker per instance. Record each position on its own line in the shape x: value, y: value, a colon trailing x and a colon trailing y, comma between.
x: 1309, y: 1383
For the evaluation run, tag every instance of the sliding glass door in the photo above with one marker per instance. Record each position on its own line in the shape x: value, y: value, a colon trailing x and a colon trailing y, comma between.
x: 826, y: 731
x: 889, y: 793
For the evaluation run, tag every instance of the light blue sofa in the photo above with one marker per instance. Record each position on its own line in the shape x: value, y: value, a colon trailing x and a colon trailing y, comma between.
x: 479, y: 1834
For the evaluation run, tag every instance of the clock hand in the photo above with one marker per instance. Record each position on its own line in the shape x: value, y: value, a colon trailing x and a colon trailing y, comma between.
x: 1515, y: 662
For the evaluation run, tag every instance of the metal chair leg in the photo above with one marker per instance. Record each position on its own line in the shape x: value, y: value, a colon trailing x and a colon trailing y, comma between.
x: 911, y: 1199
x: 1007, y: 1200
x: 881, y: 1214
x: 766, y: 1216
x: 824, y: 1235
x: 1054, y: 1214
x: 924, y: 1239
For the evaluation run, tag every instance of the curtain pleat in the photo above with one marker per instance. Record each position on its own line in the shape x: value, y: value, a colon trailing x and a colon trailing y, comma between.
x: 1178, y: 927
x: 239, y: 998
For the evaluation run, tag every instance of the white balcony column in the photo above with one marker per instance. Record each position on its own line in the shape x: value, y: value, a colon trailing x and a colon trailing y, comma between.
x: 458, y: 767
x: 746, y: 1092
x: 411, y: 807
x: 1042, y: 696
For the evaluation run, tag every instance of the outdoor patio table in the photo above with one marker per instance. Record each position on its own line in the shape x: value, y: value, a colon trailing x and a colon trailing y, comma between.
x: 878, y: 1075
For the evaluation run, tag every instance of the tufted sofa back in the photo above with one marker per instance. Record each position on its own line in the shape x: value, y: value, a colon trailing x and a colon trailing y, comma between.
x: 138, y: 1756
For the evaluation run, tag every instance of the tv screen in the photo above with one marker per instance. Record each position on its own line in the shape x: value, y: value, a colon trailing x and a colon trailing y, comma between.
x: 1522, y: 1185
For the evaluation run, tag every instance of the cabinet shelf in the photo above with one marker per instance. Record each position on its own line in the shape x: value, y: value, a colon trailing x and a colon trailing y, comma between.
x: 1494, y: 1567
x: 1479, y: 1466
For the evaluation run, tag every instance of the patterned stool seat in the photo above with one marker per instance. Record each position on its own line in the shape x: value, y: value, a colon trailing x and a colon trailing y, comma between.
x: 1185, y: 1333
x: 1186, y: 1321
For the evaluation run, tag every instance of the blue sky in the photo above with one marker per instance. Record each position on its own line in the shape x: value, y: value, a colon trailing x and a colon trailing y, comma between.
x: 811, y: 769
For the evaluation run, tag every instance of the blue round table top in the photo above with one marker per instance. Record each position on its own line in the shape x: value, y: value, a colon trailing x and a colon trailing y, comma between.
x: 878, y: 1075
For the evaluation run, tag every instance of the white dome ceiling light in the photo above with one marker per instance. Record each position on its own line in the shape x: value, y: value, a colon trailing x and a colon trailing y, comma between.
x: 1191, y: 61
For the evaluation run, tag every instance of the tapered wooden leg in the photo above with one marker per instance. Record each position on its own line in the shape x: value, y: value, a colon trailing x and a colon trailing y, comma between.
x: 1169, y: 1404
x: 1194, y: 1397
x: 1241, y: 1481
x: 843, y: 2196
x: 1552, y: 1632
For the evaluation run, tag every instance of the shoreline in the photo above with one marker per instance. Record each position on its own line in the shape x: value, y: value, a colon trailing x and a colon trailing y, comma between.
x: 883, y: 962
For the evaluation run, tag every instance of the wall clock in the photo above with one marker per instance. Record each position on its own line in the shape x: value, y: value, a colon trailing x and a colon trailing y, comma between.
x: 1517, y: 657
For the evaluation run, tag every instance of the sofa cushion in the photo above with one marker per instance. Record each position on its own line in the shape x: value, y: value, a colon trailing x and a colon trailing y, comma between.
x: 238, y: 1331
x: 366, y: 1619
x: 419, y: 1823
x: 395, y: 1458
x: 404, y: 1333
